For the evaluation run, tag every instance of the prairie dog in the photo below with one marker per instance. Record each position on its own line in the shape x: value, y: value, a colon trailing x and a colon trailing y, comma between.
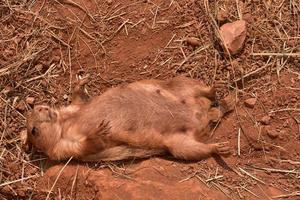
x: 141, y: 119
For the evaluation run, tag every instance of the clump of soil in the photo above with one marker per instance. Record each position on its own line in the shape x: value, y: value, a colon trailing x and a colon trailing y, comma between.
x: 46, y: 45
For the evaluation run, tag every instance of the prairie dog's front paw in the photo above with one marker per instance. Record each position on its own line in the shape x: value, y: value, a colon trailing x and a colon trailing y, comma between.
x: 83, y: 81
x: 222, y: 149
x: 219, y: 85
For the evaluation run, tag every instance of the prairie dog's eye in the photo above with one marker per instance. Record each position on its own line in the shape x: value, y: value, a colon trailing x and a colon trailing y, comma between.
x: 34, y: 131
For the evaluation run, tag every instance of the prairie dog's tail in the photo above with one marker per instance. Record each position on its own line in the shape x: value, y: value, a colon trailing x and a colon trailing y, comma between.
x: 122, y: 153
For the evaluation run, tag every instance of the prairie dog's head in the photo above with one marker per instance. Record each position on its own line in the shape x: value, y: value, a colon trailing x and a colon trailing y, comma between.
x: 43, y: 127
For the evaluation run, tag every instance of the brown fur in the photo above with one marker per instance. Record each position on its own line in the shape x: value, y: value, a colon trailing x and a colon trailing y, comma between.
x: 141, y: 119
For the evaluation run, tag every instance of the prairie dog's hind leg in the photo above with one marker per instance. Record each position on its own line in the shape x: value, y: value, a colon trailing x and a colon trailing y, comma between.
x: 210, y: 92
x: 215, y: 114
x: 187, y: 148
x: 225, y: 105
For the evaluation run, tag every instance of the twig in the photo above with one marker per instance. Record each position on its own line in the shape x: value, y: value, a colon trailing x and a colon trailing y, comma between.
x: 57, y: 38
x: 119, y: 174
x: 285, y: 109
x: 113, y: 35
x: 290, y: 162
x: 7, y: 102
x: 170, y: 41
x: 92, y: 38
x: 40, y: 76
x: 74, y: 180
x: 239, y: 142
x: 18, y: 180
x: 188, y: 178
x: 250, y: 175
x: 192, y: 54
x: 154, y: 18
x: 255, y: 71
x: 276, y: 54
x: 214, y: 178
x: 297, y: 193
x: 186, y: 24
x: 78, y: 6
x: 293, y: 171
x: 250, y: 191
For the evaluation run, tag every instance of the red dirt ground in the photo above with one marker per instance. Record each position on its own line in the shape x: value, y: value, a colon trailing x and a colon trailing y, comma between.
x: 45, y: 44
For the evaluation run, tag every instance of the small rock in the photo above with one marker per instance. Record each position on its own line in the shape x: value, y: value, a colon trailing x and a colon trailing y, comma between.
x: 30, y: 100
x: 39, y: 67
x: 24, y: 140
x: 248, y: 18
x: 265, y: 120
x: 272, y: 134
x: 256, y: 146
x: 193, y: 41
x: 234, y: 35
x: 250, y: 103
x: 44, y: 83
x: 23, y: 137
x: 20, y: 106
x: 6, y: 189
x: 286, y: 124
x: 56, y: 59
x: 6, y: 90
x: 222, y: 15
x: 66, y: 97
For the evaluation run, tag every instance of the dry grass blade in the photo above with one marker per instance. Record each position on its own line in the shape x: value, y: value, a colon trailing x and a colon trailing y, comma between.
x: 78, y: 6
x: 18, y: 180
x: 57, y: 177
x: 274, y: 170
x: 250, y: 175
x: 276, y: 54
x: 293, y: 194
x: 239, y: 142
x: 191, y: 55
x: 285, y: 109
x: 41, y: 76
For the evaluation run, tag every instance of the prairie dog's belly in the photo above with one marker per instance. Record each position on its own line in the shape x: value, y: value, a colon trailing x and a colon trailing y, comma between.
x: 143, y: 107
x: 152, y: 110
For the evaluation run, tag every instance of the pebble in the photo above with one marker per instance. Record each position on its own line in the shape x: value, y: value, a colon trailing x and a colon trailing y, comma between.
x: 193, y: 41
x: 66, y: 97
x: 20, y: 106
x: 265, y: 120
x: 272, y: 134
x: 222, y: 15
x: 7, y: 89
x: 250, y: 103
x: 56, y: 59
x: 30, y: 100
x: 248, y: 18
x: 39, y: 67
x: 234, y: 35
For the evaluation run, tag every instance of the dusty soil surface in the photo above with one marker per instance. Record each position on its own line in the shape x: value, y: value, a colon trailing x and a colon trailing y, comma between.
x: 46, y: 44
